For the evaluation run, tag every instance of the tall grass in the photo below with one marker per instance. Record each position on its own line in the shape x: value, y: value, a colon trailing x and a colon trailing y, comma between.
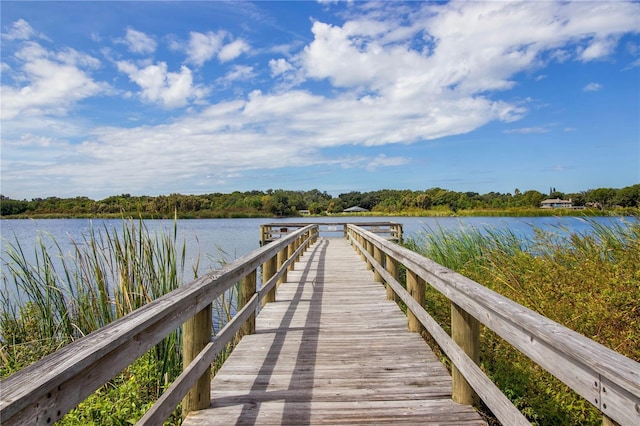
x: 589, y: 282
x: 59, y: 297
x: 56, y: 297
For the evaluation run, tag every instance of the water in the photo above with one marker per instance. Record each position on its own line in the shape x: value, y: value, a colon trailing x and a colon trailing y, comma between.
x: 209, y: 241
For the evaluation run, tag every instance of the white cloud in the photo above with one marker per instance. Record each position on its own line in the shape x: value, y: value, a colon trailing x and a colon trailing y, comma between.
x: 237, y: 73
x: 169, y: 89
x: 232, y: 50
x: 21, y: 30
x: 279, y: 67
x: 526, y: 130
x: 598, y: 49
x: 49, y: 82
x: 139, y: 42
x: 592, y: 87
x: 203, y: 47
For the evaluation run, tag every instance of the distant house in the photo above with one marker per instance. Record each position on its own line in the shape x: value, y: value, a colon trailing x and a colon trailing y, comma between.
x: 556, y: 203
x: 355, y: 209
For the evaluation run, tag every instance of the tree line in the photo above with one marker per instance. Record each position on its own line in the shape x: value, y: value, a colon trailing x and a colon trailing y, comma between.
x: 280, y: 202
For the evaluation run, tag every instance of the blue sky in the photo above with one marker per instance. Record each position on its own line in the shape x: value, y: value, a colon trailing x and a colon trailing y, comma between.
x: 149, y: 98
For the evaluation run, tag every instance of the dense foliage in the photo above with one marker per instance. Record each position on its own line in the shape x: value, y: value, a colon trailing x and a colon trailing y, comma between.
x: 589, y: 282
x: 281, y: 202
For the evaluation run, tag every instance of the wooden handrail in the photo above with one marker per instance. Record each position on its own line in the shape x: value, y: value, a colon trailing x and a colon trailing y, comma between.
x: 605, y: 378
x: 273, y: 231
x: 46, y: 390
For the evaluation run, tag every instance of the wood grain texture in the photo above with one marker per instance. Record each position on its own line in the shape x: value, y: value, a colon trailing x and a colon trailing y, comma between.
x: 332, y: 350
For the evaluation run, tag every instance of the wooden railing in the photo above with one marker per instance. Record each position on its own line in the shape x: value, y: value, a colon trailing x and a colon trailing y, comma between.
x: 272, y: 231
x: 46, y: 390
x: 608, y: 380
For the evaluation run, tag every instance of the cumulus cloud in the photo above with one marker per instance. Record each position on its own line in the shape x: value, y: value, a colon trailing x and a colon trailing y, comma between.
x: 592, y: 87
x: 232, y: 50
x: 279, y: 67
x: 48, y: 82
x: 158, y: 85
x: 139, y: 42
x: 237, y: 73
x: 203, y: 47
x: 21, y: 30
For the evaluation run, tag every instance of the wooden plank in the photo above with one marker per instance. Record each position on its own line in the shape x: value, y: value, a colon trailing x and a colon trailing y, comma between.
x: 440, y: 412
x: 332, y: 349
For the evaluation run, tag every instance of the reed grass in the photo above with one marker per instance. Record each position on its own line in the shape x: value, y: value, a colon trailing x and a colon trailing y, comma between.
x: 59, y: 297
x: 588, y: 281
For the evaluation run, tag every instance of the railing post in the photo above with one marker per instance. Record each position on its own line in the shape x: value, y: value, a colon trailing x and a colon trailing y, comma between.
x: 196, y: 334
x: 465, y: 331
x: 282, y: 258
x: 248, y: 289
x: 416, y: 288
x: 291, y: 248
x: 296, y: 246
x: 303, y: 241
x: 369, y: 246
x: 378, y: 256
x: 263, y: 234
x: 269, y: 270
x: 393, y: 270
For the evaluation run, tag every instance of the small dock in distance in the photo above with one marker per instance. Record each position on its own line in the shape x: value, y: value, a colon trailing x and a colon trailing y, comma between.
x: 331, y: 349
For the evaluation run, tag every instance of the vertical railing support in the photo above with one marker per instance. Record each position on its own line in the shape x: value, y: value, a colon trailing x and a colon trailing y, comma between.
x: 291, y: 248
x: 282, y: 258
x: 378, y: 256
x: 394, y: 271
x: 196, y: 334
x: 268, y: 271
x: 465, y: 331
x: 296, y: 245
x: 369, y: 246
x: 416, y: 288
x: 248, y: 289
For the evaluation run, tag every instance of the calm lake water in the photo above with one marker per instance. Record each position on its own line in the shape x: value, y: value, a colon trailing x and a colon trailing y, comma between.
x: 210, y: 238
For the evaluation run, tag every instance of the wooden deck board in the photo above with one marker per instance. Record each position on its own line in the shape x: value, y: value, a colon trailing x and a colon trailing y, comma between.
x: 332, y: 350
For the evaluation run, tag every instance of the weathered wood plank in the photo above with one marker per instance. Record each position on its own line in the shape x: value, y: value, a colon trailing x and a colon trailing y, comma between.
x: 440, y: 412
x: 332, y: 349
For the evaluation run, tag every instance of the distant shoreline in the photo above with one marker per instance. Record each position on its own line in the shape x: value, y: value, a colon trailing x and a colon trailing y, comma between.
x: 627, y: 211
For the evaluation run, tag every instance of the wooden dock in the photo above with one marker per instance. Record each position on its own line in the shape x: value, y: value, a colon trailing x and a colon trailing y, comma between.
x: 329, y: 347
x: 332, y: 350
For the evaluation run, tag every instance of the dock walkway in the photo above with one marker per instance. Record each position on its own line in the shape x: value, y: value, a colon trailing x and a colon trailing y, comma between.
x: 332, y: 350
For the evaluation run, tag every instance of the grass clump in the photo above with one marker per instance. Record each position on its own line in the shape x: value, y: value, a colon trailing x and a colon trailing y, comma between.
x: 589, y: 282
x: 55, y: 298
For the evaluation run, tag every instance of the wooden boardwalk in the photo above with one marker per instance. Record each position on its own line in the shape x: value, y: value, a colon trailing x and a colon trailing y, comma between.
x: 332, y: 350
